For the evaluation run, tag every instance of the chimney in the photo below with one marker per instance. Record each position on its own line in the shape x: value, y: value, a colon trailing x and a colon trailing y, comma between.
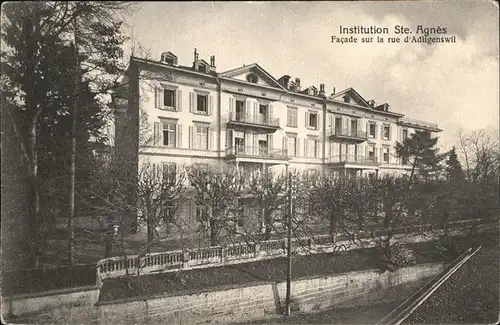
x: 212, y: 64
x: 284, y: 80
x: 297, y: 84
x: 195, y: 55
x: 322, y: 90
x: 333, y: 92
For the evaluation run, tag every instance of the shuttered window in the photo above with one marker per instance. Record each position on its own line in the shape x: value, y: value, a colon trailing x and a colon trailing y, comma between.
x: 291, y: 119
x: 168, y: 98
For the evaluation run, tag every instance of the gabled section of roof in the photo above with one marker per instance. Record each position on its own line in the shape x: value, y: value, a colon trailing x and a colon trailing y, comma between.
x: 169, y: 53
x: 353, y: 94
x: 305, y: 91
x: 241, y: 73
x: 203, y: 61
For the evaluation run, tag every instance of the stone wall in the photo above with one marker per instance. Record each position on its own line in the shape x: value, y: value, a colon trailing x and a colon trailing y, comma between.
x: 228, y: 304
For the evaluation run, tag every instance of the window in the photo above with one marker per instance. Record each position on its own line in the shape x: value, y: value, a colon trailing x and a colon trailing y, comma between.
x: 201, y: 137
x: 313, y: 172
x: 354, y: 127
x: 346, y: 99
x: 371, y: 152
x: 312, y: 147
x: 387, y: 132
x: 371, y: 130
x: 405, y: 134
x: 169, y: 172
x: 292, y: 146
x: 169, y: 98
x: 169, y: 133
x: 202, y: 104
x: 263, y: 148
x: 239, y: 143
x: 202, y: 68
x: 291, y: 119
x: 202, y: 214
x: 386, y: 155
x: 240, y: 110
x: 313, y: 121
x: 167, y: 213
x: 338, y: 125
x: 263, y: 114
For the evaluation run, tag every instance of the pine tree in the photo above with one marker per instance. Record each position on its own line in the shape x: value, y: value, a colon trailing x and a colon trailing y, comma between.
x: 453, y: 167
x: 35, y: 73
x: 420, y: 150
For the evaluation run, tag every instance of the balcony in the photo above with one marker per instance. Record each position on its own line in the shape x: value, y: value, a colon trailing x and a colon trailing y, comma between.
x: 256, y: 154
x: 343, y: 160
x: 256, y: 122
x: 354, y: 136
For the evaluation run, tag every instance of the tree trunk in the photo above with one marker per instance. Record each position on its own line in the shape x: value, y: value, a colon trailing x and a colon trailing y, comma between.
x: 35, y: 221
x: 268, y: 224
x: 387, y: 215
x: 333, y: 224
x: 213, y: 232
x: 71, y: 233
x: 150, y: 227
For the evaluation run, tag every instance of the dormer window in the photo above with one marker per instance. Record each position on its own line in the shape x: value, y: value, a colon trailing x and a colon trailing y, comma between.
x: 202, y: 68
x: 168, y: 58
x: 252, y: 78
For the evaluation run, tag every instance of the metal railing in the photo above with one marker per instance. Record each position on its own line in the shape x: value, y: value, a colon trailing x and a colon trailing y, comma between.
x: 254, y: 119
x: 120, y: 266
x: 354, y: 159
x: 345, y: 132
x: 263, y: 152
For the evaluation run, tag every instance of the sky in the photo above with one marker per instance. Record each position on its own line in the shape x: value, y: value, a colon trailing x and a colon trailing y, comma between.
x: 455, y: 85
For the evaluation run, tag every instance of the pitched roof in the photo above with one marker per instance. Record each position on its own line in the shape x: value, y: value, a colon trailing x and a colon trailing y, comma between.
x: 245, y: 68
x: 353, y: 93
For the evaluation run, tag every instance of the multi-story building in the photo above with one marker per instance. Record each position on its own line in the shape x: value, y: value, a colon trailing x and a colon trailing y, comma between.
x: 174, y: 115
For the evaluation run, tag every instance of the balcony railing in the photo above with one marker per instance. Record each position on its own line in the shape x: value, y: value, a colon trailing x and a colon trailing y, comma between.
x: 346, y: 133
x: 353, y: 159
x: 254, y: 119
x: 259, y: 152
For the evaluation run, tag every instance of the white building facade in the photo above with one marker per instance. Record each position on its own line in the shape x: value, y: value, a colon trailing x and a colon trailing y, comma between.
x: 175, y: 116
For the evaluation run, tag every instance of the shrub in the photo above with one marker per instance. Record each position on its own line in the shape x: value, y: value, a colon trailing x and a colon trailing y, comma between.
x: 396, y: 256
x: 448, y: 247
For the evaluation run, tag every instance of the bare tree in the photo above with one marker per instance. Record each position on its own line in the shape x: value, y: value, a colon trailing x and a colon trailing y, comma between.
x: 216, y: 196
x: 480, y: 153
x: 330, y: 197
x: 268, y: 193
x: 161, y: 195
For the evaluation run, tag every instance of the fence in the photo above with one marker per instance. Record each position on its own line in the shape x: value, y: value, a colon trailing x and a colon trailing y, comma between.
x: 45, y: 279
x: 63, y: 277
x: 240, y: 253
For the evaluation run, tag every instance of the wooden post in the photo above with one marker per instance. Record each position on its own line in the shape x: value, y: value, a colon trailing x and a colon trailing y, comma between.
x: 289, y: 249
